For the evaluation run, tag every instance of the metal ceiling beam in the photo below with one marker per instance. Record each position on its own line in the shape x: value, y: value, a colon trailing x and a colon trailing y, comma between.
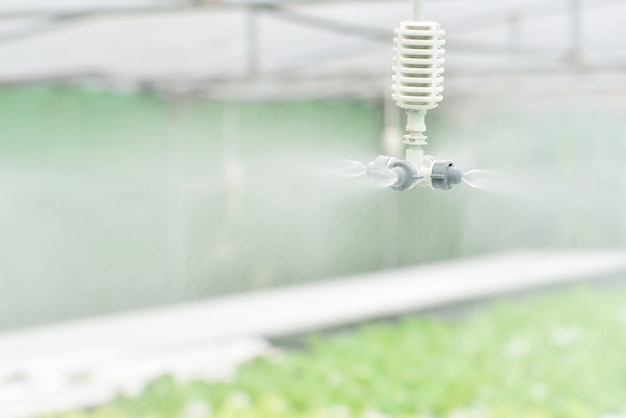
x: 361, y: 31
x: 40, y: 27
x: 384, y: 35
x: 24, y: 9
x: 159, y: 6
x: 527, y: 12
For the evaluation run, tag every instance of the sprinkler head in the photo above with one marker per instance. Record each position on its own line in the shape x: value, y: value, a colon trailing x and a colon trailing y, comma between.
x: 444, y: 175
x: 406, y: 173
x: 398, y: 175
x: 403, y: 175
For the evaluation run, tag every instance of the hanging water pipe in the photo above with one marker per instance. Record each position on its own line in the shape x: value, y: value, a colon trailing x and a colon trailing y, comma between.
x: 417, y: 87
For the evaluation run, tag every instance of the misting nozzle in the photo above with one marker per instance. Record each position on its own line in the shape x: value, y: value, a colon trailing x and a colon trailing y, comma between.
x: 444, y: 175
x: 396, y: 174
x: 403, y: 175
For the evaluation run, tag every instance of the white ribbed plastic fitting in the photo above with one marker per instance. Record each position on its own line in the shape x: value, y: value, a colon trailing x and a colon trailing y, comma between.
x: 417, y: 81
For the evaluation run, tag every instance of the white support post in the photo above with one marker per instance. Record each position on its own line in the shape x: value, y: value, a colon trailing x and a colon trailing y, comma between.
x: 419, y: 10
x: 575, y: 29
x: 252, y: 42
x: 176, y: 200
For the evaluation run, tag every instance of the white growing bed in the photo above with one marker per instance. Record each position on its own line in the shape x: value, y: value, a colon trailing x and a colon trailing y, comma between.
x: 84, y: 363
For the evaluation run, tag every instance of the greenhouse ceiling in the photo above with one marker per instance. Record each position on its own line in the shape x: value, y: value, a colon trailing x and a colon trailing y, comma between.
x: 287, y: 48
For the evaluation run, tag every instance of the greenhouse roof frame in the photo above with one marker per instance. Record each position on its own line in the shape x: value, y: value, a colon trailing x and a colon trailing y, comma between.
x: 41, y: 19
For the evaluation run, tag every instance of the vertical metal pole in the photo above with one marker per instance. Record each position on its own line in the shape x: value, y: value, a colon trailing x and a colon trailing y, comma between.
x: 575, y: 29
x: 176, y: 201
x: 252, y: 41
x: 233, y: 167
x: 392, y: 132
x: 515, y: 31
x: 234, y: 179
x: 392, y: 146
x: 515, y: 46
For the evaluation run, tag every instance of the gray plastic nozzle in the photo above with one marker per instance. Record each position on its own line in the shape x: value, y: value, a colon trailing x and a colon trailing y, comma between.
x: 445, y: 175
x: 407, y: 175
x: 403, y: 173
